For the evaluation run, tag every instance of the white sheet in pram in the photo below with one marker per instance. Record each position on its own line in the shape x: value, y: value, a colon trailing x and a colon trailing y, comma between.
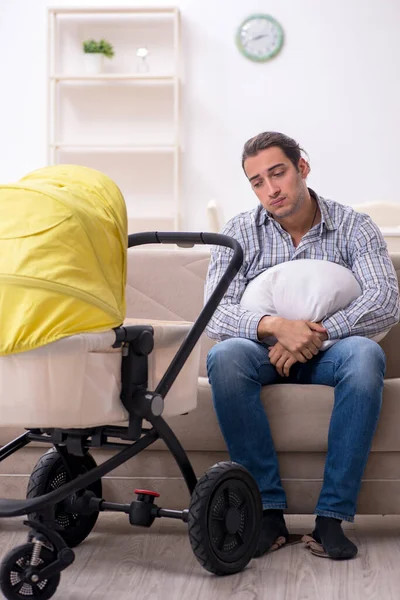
x: 76, y: 381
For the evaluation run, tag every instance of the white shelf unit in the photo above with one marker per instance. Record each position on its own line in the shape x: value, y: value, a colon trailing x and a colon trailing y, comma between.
x: 122, y: 122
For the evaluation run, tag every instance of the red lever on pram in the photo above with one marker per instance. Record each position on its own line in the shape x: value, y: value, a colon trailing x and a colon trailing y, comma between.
x: 147, y: 493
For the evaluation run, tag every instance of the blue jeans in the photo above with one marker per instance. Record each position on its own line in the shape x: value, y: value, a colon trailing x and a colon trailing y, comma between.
x: 354, y: 366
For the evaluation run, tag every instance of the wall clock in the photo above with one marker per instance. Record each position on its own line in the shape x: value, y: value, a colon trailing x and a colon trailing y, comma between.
x: 259, y: 37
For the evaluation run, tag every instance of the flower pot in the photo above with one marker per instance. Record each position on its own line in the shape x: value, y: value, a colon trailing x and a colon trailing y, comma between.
x: 93, y: 62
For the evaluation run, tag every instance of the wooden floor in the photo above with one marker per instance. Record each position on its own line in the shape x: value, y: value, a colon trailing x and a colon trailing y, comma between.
x: 120, y: 562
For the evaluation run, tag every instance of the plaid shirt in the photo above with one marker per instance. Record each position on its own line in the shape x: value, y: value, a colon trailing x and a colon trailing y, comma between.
x: 344, y: 236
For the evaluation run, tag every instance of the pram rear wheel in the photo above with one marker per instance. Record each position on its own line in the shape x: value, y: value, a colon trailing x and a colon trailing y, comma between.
x: 16, y: 575
x: 224, y: 518
x: 49, y: 474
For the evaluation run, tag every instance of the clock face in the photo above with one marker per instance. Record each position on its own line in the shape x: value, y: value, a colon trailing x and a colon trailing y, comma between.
x: 259, y: 37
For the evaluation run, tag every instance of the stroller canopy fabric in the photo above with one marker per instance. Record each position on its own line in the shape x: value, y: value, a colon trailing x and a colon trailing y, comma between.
x: 63, y: 246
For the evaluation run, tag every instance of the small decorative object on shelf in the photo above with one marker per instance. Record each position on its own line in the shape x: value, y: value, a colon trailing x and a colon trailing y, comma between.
x: 95, y: 53
x: 143, y: 65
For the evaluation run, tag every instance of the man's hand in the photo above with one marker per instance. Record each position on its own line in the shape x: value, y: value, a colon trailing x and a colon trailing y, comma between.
x: 281, y: 359
x: 303, y: 339
x: 323, y: 336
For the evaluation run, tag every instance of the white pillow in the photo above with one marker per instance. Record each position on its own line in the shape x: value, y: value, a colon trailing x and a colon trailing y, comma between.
x: 305, y: 289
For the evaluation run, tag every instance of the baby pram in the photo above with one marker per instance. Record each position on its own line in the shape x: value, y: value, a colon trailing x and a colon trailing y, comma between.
x: 76, y: 376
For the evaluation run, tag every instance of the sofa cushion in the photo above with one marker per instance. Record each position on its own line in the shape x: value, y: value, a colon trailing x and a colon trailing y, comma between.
x: 168, y: 284
x: 299, y: 416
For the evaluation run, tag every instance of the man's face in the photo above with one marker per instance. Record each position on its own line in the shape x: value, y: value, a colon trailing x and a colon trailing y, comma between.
x: 278, y: 185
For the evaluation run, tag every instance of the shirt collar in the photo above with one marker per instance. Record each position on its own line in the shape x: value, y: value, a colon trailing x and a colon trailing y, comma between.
x: 262, y: 216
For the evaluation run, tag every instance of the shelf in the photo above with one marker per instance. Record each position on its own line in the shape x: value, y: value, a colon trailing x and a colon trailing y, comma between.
x: 116, y: 149
x: 108, y: 11
x: 139, y: 223
x: 390, y: 231
x: 167, y: 216
x: 117, y: 77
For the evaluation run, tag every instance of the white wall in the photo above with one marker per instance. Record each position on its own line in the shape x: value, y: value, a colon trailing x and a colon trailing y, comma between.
x: 335, y: 88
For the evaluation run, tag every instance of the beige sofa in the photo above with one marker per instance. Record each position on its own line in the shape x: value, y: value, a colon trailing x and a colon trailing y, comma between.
x: 168, y: 284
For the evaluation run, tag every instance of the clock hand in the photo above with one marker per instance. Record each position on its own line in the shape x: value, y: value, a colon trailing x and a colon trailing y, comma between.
x: 258, y: 37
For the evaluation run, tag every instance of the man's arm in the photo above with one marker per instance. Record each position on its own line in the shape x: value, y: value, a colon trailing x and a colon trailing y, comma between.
x: 377, y: 308
x: 232, y: 320
x: 229, y: 319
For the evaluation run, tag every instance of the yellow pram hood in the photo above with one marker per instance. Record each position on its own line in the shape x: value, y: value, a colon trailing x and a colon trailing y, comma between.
x: 63, y: 244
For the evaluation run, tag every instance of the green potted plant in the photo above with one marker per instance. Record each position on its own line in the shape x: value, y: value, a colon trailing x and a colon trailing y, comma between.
x: 95, y: 53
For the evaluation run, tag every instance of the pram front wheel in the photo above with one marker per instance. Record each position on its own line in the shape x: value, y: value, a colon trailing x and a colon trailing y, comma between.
x: 20, y: 580
x: 224, y: 518
x: 50, y: 473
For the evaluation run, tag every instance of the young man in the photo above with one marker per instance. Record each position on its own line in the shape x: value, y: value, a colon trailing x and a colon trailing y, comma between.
x: 292, y: 222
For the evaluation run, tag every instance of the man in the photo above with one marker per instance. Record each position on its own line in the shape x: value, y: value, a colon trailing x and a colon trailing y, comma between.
x: 291, y: 223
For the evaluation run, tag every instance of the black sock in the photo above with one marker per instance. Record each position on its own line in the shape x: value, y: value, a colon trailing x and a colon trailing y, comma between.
x: 329, y: 533
x: 273, y: 526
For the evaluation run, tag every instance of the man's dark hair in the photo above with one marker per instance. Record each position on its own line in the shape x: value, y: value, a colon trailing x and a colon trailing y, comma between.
x: 268, y: 139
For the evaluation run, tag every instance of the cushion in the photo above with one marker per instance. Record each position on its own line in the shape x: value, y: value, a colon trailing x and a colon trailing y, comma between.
x: 304, y: 289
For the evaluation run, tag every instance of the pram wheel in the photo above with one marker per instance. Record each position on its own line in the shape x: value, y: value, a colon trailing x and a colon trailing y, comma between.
x: 17, y: 575
x: 49, y: 474
x: 224, y: 518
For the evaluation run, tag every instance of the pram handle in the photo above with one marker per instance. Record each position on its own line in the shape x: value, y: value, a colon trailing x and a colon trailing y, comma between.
x: 184, y: 239
x: 188, y: 240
